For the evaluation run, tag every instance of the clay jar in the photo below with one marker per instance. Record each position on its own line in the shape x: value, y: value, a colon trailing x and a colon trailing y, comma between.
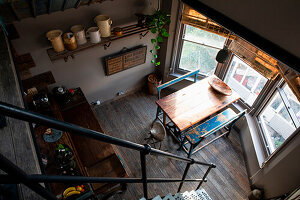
x: 79, y: 33
x: 55, y: 38
x: 104, y: 24
x: 70, y: 41
x: 94, y: 35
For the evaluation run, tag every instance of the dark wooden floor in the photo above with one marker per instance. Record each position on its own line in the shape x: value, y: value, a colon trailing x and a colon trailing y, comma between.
x: 130, y: 118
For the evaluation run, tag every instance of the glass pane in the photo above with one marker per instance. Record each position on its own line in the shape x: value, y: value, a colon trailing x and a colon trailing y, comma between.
x: 250, y: 79
x: 276, y: 123
x: 203, y: 37
x: 260, y: 86
x: 292, y: 100
x: 196, y: 56
x: 239, y: 72
x: 244, y: 80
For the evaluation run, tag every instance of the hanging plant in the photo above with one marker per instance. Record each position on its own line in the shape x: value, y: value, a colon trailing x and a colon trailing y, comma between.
x: 158, y: 22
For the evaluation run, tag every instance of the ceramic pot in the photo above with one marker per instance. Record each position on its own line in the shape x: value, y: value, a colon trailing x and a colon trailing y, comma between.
x: 154, y: 80
x: 104, y: 24
x: 70, y: 41
x: 94, y: 35
x: 55, y: 38
x: 79, y: 33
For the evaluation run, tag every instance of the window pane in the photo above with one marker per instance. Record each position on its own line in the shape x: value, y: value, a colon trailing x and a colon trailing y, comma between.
x: 260, y: 86
x: 203, y: 37
x: 250, y: 79
x: 292, y: 100
x: 276, y: 123
x: 240, y: 71
x: 196, y: 56
x: 244, y: 80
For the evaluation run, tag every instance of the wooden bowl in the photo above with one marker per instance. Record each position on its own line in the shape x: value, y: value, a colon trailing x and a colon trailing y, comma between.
x: 218, y: 85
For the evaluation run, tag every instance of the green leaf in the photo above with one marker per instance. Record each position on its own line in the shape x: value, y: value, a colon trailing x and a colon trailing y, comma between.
x: 163, y: 30
x: 152, y: 61
x: 153, y: 30
x: 151, y: 51
x: 157, y: 64
x: 165, y: 34
x: 157, y: 47
x: 153, y: 41
x: 159, y: 39
x: 155, y: 56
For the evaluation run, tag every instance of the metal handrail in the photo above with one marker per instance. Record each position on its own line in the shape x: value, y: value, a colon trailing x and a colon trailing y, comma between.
x: 29, y: 116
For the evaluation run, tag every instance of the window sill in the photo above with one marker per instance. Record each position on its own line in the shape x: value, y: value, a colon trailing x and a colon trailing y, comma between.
x: 254, y: 133
x: 191, y: 78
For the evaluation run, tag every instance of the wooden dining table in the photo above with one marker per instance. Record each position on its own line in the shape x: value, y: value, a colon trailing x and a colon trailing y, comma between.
x: 193, y: 104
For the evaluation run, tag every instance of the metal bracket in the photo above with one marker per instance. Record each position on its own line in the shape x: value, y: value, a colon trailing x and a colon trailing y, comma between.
x: 67, y: 57
x: 2, y: 121
x: 107, y: 45
x: 143, y: 35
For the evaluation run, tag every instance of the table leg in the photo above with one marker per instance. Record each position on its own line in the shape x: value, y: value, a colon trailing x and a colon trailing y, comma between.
x: 164, y: 119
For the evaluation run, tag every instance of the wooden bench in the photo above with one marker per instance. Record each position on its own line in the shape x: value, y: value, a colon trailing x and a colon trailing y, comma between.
x: 197, y: 134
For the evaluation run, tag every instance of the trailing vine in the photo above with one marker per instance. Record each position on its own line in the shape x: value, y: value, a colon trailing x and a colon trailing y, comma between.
x: 158, y: 21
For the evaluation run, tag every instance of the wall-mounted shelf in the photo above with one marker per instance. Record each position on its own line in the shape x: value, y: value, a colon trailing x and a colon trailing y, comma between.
x: 127, y: 31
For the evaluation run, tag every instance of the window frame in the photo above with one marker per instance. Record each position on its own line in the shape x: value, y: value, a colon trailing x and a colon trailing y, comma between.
x: 278, y: 83
x: 221, y: 71
x: 179, y: 46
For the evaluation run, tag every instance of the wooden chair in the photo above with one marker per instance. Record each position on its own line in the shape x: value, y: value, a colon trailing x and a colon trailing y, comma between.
x: 172, y: 82
x: 197, y: 134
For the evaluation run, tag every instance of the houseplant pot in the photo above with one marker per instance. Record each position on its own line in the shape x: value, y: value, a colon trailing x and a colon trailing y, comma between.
x: 157, y: 22
x: 154, y: 80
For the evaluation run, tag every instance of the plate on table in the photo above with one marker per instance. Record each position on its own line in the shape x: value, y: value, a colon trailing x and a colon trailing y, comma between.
x: 218, y: 85
x: 54, y: 136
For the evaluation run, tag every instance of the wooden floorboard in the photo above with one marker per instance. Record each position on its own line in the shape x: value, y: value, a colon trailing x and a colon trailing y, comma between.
x: 130, y: 118
x: 16, y: 142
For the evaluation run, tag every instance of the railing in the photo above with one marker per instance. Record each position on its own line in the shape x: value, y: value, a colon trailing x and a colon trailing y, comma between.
x: 17, y: 175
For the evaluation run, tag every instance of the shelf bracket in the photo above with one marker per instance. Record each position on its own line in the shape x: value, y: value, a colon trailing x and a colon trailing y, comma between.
x: 143, y: 35
x: 67, y: 57
x: 107, y: 45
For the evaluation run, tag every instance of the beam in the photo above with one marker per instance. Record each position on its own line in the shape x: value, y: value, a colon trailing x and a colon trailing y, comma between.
x: 64, y: 5
x: 269, y: 47
x: 77, y: 4
x: 50, y: 2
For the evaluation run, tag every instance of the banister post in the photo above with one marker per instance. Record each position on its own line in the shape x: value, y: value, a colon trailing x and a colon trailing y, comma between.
x: 19, y: 175
x: 205, y: 175
x: 186, y: 169
x: 144, y: 169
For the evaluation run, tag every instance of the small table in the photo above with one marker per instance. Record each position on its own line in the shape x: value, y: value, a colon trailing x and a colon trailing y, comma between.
x: 193, y: 104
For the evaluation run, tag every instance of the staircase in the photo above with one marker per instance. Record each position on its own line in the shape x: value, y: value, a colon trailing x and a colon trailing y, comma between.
x: 199, y: 194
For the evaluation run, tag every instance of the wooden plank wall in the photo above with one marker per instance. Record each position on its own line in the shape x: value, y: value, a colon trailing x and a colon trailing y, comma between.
x: 15, y: 139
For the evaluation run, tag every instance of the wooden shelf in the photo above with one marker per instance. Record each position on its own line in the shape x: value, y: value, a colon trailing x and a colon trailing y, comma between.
x: 127, y: 31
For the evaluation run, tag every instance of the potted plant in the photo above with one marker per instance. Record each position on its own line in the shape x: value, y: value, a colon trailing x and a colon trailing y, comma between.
x: 158, y: 22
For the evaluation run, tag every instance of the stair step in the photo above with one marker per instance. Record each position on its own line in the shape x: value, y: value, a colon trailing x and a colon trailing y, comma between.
x: 169, y: 197
x: 157, y: 198
x: 24, y: 62
x: 194, y: 195
x: 202, y: 193
x: 199, y: 194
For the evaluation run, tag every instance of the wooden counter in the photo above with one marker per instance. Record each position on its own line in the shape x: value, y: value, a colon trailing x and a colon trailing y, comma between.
x: 92, y: 157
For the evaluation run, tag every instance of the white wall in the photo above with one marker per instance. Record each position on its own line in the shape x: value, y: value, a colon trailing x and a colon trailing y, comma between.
x: 281, y: 174
x: 86, y: 70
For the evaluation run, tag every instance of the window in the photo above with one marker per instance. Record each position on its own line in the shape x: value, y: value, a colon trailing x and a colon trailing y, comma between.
x: 244, y: 80
x: 199, y: 50
x: 279, y: 118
